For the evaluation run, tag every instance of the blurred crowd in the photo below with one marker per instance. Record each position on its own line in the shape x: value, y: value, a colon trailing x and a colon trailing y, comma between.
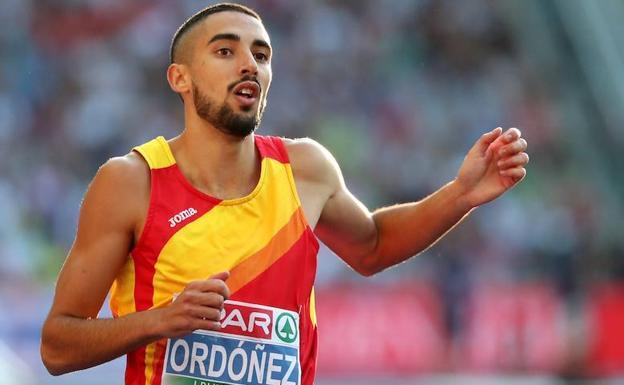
x: 397, y: 90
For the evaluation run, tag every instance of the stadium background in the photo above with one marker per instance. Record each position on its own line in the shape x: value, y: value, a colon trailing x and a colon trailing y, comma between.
x: 527, y: 290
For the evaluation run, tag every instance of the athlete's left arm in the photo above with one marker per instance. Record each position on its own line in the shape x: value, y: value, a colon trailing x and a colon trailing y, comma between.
x: 370, y: 242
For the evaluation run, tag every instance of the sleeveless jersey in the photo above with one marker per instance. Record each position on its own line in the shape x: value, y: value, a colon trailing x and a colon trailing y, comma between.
x: 268, y: 333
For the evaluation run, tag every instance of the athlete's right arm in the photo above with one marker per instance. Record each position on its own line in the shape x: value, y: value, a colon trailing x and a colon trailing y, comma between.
x: 73, y: 338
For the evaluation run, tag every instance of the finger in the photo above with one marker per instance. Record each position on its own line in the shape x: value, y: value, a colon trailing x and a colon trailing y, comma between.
x: 516, y: 173
x: 520, y: 159
x: 215, y: 300
x: 206, y: 313
x: 223, y: 276
x: 206, y: 325
x: 511, y: 135
x: 486, y: 139
x: 211, y: 299
x: 513, y: 148
x: 210, y: 285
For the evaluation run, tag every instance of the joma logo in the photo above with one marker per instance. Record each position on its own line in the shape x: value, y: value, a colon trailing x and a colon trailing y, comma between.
x: 182, y: 215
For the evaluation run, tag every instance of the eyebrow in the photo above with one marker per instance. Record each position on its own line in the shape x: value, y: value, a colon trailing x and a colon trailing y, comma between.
x: 224, y: 36
x: 261, y: 43
x: 235, y: 37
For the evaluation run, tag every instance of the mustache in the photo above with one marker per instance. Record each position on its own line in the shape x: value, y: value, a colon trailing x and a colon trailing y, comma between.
x: 246, y: 78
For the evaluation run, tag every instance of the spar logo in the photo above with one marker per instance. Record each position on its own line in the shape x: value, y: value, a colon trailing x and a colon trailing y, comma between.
x: 257, y: 321
x: 286, y: 327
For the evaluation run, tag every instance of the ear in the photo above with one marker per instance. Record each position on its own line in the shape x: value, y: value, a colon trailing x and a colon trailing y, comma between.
x: 179, y: 78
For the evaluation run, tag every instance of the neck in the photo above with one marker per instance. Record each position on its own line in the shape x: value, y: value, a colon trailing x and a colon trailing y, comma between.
x: 215, y: 163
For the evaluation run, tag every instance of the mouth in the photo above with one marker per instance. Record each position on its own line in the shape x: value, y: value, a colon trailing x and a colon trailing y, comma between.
x: 247, y: 93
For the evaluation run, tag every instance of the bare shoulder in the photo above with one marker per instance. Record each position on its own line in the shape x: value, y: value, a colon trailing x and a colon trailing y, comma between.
x: 130, y: 168
x: 312, y: 162
x: 126, y: 175
x: 121, y: 187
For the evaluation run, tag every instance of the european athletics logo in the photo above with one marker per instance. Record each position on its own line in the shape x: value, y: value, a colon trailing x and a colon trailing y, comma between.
x: 257, y: 345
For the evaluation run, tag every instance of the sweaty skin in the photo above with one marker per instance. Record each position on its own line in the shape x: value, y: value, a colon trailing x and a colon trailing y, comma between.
x: 114, y: 209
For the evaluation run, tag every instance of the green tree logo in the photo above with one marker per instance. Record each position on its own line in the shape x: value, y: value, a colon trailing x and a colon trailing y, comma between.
x: 286, y: 328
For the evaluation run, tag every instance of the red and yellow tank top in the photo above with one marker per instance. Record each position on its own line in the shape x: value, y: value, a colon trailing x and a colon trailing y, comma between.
x: 269, y: 333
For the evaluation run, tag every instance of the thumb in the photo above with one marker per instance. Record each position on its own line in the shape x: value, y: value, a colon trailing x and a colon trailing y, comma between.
x: 223, y: 276
x: 488, y: 138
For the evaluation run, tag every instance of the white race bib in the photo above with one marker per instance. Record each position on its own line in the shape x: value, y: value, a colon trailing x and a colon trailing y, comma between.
x: 257, y: 345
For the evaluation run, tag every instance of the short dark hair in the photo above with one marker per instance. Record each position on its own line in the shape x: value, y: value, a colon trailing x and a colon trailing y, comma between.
x: 201, y: 15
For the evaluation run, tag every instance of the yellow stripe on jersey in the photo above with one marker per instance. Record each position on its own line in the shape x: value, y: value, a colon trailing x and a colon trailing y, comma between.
x: 149, y: 362
x: 157, y: 153
x: 122, y: 290
x: 313, y: 307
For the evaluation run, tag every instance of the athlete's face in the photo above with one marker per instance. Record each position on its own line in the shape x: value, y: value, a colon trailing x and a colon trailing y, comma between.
x: 230, y: 68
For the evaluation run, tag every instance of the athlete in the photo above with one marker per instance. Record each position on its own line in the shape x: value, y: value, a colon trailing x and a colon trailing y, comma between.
x: 207, y: 242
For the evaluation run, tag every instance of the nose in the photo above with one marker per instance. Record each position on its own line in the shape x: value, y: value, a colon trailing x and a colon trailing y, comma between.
x: 248, y: 65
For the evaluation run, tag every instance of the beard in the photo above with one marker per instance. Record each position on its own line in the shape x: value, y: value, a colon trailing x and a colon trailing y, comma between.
x: 224, y: 118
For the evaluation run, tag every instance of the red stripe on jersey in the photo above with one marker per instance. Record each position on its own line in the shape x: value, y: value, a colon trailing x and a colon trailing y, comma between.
x: 272, y: 147
x: 135, y: 372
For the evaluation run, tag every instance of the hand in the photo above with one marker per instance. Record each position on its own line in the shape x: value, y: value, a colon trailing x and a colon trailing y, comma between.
x: 197, y: 307
x: 492, y: 166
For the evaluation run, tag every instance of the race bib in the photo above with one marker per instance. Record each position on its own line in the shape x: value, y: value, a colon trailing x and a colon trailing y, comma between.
x: 257, y: 345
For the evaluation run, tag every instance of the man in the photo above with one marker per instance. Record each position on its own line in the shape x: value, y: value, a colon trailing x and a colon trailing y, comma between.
x: 208, y: 239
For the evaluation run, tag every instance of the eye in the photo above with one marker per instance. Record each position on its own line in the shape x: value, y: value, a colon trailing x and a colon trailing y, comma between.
x: 261, y: 57
x: 224, y: 52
